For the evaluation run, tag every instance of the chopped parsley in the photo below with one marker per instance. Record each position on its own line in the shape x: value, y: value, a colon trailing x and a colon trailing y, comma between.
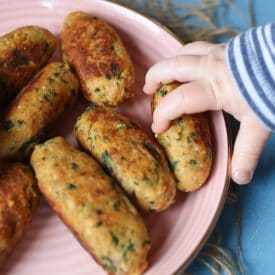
x: 121, y: 125
x: 71, y: 186
x: 162, y: 91
x: 91, y: 107
x: 74, y: 166
x: 114, y: 238
x: 116, y: 205
x: 174, y: 164
x: 193, y: 161
x: 108, y: 263
x: 129, y: 248
x: 106, y: 159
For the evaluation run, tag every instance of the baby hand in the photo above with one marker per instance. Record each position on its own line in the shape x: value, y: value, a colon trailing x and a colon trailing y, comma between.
x: 208, y: 85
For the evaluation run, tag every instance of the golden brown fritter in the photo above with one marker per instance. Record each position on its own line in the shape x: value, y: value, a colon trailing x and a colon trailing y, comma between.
x: 96, y: 53
x: 187, y: 144
x: 18, y: 202
x: 136, y: 161
x: 22, y: 53
x: 35, y: 109
x: 92, y: 206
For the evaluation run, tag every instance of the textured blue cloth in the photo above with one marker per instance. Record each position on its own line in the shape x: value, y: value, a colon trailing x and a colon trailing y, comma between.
x: 251, y: 59
x: 257, y: 203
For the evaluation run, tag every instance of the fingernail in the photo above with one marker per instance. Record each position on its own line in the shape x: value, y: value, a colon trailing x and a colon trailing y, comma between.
x: 242, y: 176
x: 145, y: 87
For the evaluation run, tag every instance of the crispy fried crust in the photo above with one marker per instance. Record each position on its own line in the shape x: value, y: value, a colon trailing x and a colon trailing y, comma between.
x: 35, y: 109
x: 18, y: 202
x: 136, y: 161
x: 187, y: 144
x: 96, y: 53
x: 92, y: 206
x: 22, y: 53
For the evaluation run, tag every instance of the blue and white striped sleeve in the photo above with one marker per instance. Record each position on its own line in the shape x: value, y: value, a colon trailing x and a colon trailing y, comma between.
x: 251, y: 59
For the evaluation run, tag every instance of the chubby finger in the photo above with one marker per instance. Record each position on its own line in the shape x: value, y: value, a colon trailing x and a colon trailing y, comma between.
x: 189, y: 98
x: 179, y: 68
x: 196, y: 48
x: 250, y: 142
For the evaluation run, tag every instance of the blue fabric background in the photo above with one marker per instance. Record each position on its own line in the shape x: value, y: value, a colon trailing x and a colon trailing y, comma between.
x: 257, y: 200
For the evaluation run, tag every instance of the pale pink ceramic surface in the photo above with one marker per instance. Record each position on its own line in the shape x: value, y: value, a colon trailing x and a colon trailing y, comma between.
x: 178, y: 233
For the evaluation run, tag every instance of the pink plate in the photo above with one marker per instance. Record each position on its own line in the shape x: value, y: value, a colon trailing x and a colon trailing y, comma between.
x: 178, y: 233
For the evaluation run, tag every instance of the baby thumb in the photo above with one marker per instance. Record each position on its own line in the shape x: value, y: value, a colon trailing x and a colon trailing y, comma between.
x: 249, y: 144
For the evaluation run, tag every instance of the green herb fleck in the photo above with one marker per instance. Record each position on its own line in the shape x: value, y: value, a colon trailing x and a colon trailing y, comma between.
x: 147, y: 180
x: 46, y: 98
x: 106, y: 159
x: 151, y: 150
x: 114, y: 69
x: 74, y: 166
x: 133, y: 196
x: 107, y: 262
x: 72, y: 186
x: 50, y: 94
x: 56, y: 74
x: 18, y: 58
x: 193, y: 135
x: 97, y: 90
x: 193, y: 161
x: 7, y: 125
x: 174, y: 164
x: 121, y: 125
x: 91, y: 107
x: 114, y: 238
x: 162, y: 91
x: 20, y: 122
x: 115, y: 50
x: 129, y: 248
x: 180, y: 121
x: 116, y: 205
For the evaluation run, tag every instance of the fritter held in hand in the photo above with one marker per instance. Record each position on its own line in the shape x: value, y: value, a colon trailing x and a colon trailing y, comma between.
x: 187, y: 144
x: 36, y: 108
x: 18, y: 202
x: 94, y: 50
x: 136, y: 161
x: 92, y: 206
x: 23, y: 52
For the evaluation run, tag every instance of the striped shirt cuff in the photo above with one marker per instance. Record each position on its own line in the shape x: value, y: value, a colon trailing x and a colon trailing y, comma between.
x: 251, y: 59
